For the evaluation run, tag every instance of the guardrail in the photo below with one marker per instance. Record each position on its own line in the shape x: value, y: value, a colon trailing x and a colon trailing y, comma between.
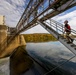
x: 58, y: 26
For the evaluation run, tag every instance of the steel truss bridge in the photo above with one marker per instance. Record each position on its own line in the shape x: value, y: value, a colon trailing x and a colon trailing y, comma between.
x: 40, y: 12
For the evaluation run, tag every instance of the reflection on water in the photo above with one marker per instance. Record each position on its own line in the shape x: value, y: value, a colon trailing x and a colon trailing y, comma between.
x: 4, y: 66
x: 53, y: 52
x: 48, y: 53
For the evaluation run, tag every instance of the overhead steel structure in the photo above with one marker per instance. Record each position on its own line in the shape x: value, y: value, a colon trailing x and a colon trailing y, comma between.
x: 42, y: 10
x: 38, y: 10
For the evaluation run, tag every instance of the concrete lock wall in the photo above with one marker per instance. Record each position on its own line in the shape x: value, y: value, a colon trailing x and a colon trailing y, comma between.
x: 5, y: 48
x: 3, y: 33
x: 2, y: 20
x: 16, y: 42
x: 3, y: 29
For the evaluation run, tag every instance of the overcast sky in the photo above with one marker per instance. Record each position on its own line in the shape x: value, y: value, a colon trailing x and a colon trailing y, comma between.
x: 13, y: 9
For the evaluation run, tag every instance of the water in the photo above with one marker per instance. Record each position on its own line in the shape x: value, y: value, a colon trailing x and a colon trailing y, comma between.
x: 4, y: 66
x: 48, y: 53
x: 53, y: 52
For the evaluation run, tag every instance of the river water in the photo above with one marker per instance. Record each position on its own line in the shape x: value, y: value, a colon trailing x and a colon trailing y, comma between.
x: 4, y: 66
x: 52, y: 52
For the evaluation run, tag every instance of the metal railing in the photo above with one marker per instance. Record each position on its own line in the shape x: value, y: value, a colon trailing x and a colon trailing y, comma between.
x: 58, y: 27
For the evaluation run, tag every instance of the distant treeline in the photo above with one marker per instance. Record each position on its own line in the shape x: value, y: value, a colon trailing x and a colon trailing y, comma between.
x: 39, y: 37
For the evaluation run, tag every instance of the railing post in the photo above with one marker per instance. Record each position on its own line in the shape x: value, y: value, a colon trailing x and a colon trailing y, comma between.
x: 50, y: 21
x: 56, y: 28
x: 62, y: 29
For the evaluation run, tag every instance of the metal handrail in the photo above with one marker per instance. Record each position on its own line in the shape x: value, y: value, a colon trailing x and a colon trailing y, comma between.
x: 58, y: 26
